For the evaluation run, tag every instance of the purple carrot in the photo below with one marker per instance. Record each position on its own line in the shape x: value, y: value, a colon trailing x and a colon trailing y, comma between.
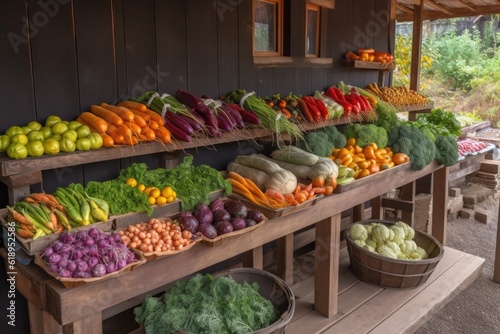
x: 195, y: 102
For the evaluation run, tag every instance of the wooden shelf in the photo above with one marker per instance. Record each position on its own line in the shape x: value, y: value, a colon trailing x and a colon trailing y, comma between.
x: 10, y: 167
x: 368, y: 65
x: 474, y: 127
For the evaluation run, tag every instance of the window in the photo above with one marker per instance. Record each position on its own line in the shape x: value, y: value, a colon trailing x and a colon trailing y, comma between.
x: 312, y: 30
x: 268, y: 18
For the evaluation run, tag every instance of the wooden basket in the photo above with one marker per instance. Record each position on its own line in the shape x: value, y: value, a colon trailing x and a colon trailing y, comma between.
x: 386, y: 272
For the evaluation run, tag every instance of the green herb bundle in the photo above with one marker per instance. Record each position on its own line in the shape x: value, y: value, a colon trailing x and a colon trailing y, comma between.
x: 204, y: 304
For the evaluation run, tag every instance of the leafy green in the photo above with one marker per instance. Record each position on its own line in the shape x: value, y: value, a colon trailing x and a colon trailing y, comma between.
x: 121, y: 197
x: 204, y: 304
x: 440, y: 122
x: 193, y: 184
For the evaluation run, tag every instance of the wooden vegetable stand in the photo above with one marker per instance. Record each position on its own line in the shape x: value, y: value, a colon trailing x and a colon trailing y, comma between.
x: 82, y: 309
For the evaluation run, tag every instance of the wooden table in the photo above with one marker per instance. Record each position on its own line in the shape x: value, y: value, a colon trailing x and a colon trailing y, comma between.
x: 82, y: 309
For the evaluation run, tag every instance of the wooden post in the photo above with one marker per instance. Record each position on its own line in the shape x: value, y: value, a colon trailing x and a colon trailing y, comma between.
x: 326, y: 281
x: 284, y: 258
x: 440, y: 204
x: 416, y: 50
x: 254, y: 258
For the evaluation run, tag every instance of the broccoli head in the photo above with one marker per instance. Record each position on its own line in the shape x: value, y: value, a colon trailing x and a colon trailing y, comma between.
x: 317, y: 142
x: 410, y: 140
x: 366, y: 134
x: 446, y: 150
x: 335, y: 137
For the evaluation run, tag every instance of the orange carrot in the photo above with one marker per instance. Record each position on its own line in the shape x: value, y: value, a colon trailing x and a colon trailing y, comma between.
x: 118, y: 138
x: 139, y: 120
x: 122, y: 112
x: 136, y: 129
x: 106, y: 114
x: 149, y: 133
x: 153, y: 125
x: 145, y: 116
x: 155, y: 117
x: 94, y: 121
x: 133, y: 105
x: 107, y: 140
x: 275, y: 194
x: 29, y: 199
x: 131, y: 141
x: 19, y: 217
x: 163, y: 134
x: 125, y: 131
x: 25, y: 233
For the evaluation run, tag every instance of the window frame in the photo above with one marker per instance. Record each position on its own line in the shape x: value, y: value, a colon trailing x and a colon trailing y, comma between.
x: 316, y: 8
x: 278, y: 29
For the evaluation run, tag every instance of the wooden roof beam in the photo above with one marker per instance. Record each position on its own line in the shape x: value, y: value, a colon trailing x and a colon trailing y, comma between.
x: 459, y: 12
x: 468, y: 5
x: 405, y: 9
x: 435, y: 4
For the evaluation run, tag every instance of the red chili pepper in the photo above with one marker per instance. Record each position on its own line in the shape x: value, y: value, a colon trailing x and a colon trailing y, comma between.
x: 305, y: 110
x: 322, y: 108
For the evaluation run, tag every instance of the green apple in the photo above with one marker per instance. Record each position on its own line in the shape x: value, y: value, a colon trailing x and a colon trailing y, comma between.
x: 83, y: 131
x: 19, y: 138
x: 4, y: 143
x: 35, y: 135
x: 59, y: 128
x: 55, y: 136
x: 34, y: 125
x: 67, y: 145
x: 73, y: 125
x: 14, y: 130
x: 26, y: 129
x: 17, y: 151
x: 71, y: 134
x: 46, y: 131
x: 83, y: 144
x: 35, y: 148
x: 95, y: 140
x: 52, y: 119
x: 51, y: 146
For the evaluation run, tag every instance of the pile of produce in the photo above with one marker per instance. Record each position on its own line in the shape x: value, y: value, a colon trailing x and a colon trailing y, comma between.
x: 398, y: 96
x: 156, y: 196
x: 219, y: 217
x: 274, y: 181
x: 56, y: 135
x: 370, y: 55
x: 395, y: 241
x: 40, y: 214
x: 470, y: 146
x: 323, y: 141
x: 352, y: 101
x: 268, y: 117
x: 128, y: 123
x: 86, y: 254
x: 156, y: 235
x: 207, y: 304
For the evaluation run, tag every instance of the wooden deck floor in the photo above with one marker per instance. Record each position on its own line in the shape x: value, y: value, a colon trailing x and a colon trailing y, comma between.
x: 364, y: 308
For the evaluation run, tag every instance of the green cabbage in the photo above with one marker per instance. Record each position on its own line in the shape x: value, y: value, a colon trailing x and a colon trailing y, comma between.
x: 380, y: 234
x: 358, y: 232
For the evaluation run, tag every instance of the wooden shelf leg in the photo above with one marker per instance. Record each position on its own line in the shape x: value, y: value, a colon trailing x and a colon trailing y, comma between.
x: 254, y: 258
x: 41, y: 321
x: 358, y: 212
x: 408, y: 194
x: 284, y: 258
x: 377, y: 210
x: 90, y: 324
x: 326, y: 282
x: 440, y: 204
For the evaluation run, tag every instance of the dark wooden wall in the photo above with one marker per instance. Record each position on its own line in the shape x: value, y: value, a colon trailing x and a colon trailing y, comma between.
x: 60, y: 56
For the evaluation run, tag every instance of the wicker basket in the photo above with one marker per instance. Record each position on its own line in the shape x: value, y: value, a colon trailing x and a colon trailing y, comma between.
x: 271, y: 287
x: 386, y: 272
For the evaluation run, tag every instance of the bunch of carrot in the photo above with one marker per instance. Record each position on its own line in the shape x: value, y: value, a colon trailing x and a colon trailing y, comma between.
x: 270, y: 198
x: 127, y: 123
x: 38, y: 215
